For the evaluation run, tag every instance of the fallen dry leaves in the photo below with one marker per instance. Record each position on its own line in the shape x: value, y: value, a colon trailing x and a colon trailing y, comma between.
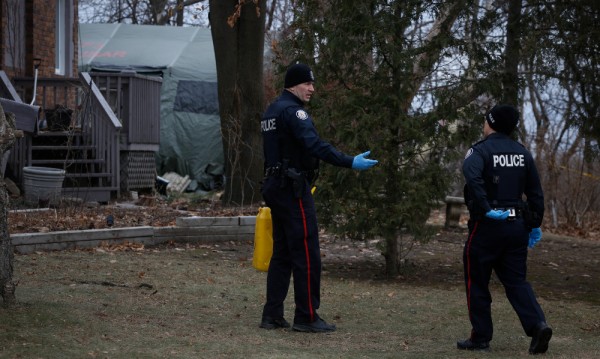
x: 155, y: 213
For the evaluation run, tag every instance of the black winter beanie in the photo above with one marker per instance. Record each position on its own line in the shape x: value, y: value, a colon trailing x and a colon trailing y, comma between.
x: 298, y: 74
x: 503, y: 118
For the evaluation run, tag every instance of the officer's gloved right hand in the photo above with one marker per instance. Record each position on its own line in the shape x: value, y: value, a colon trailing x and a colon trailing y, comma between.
x: 534, y: 236
x: 360, y: 162
x: 497, y: 214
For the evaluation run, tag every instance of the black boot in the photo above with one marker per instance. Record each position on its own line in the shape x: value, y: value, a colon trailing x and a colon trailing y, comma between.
x: 468, y: 344
x: 318, y: 326
x: 540, y: 338
x: 274, y: 323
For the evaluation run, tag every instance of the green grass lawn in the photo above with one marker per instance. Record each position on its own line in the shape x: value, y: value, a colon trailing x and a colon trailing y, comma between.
x: 205, y: 301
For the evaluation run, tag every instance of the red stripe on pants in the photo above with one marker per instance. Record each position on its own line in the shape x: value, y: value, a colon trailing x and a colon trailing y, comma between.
x: 310, y: 306
x: 468, y: 255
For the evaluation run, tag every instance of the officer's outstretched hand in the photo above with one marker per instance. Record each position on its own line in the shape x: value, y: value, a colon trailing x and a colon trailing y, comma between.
x: 534, y: 236
x: 360, y: 162
x: 497, y: 214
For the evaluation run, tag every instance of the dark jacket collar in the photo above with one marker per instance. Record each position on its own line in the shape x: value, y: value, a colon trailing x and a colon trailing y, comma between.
x: 496, y: 135
x: 286, y: 95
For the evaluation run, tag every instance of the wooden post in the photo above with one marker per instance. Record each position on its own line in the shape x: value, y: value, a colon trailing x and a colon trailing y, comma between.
x: 454, y: 208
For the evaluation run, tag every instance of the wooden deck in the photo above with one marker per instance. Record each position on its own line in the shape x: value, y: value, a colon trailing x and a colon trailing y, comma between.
x: 102, y: 129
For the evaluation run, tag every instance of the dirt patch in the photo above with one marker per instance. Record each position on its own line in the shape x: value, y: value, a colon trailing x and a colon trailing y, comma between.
x: 561, y: 268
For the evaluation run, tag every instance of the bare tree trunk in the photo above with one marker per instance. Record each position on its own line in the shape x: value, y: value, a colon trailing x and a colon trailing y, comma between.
x: 512, y: 55
x: 179, y: 12
x: 7, y: 287
x: 8, y: 136
x: 238, y: 38
x: 423, y: 64
x: 392, y: 256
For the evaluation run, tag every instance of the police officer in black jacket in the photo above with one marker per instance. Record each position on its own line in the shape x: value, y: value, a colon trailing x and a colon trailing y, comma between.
x: 292, y: 150
x: 498, y: 171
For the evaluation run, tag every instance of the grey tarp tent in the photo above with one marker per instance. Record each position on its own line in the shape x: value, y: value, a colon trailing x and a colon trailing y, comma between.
x: 190, y: 135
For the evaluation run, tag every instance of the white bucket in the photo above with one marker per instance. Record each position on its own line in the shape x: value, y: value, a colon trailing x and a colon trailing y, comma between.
x: 43, y: 185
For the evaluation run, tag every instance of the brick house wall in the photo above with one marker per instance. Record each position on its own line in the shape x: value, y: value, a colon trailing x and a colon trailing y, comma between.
x: 39, y: 37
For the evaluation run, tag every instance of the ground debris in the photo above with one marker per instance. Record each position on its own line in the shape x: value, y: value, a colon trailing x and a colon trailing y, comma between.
x: 160, y: 213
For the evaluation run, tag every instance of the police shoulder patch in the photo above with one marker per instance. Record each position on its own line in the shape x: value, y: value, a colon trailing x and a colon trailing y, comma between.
x: 469, y: 152
x: 301, y: 114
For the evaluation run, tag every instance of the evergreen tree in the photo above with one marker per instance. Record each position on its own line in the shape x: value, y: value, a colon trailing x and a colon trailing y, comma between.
x: 374, y: 62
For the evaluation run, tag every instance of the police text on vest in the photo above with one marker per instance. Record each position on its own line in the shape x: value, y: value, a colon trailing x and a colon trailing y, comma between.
x: 509, y: 160
x: 267, y: 125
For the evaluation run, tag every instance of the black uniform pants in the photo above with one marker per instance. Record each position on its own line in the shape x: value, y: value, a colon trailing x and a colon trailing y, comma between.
x: 295, y: 251
x: 500, y: 246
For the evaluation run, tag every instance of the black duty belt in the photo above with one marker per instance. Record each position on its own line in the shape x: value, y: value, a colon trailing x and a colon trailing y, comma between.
x: 276, y: 171
x: 513, y: 213
x: 272, y: 171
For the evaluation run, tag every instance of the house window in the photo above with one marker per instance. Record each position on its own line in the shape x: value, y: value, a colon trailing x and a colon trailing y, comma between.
x: 14, y: 38
x: 64, y: 34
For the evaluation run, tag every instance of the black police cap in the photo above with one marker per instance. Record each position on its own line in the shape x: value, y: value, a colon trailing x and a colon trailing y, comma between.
x: 503, y: 118
x: 298, y: 74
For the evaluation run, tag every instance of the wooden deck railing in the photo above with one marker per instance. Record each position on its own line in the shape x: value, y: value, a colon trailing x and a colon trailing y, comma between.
x: 26, y: 116
x: 100, y: 129
x: 135, y: 99
x: 17, y: 153
x: 92, y: 117
x: 117, y: 115
x: 6, y: 88
x: 50, y: 92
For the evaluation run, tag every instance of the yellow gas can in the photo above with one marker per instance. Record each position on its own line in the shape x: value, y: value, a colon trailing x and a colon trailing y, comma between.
x: 263, y: 240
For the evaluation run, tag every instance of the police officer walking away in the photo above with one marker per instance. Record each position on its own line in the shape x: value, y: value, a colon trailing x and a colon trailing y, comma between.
x: 498, y: 171
x: 292, y: 150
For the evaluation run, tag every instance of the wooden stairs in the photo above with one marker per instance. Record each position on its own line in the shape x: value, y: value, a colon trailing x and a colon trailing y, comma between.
x: 86, y: 174
x: 103, y: 129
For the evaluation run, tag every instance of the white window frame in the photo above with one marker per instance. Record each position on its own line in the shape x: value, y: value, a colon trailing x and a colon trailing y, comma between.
x: 63, y: 35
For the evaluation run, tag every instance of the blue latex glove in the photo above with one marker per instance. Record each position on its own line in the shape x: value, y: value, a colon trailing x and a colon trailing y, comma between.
x: 360, y: 162
x: 497, y: 214
x: 534, y: 236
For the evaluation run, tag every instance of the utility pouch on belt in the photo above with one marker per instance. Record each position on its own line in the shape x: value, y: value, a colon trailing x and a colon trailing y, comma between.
x: 475, y: 213
x: 298, y: 181
x: 283, y: 172
x: 528, y: 216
